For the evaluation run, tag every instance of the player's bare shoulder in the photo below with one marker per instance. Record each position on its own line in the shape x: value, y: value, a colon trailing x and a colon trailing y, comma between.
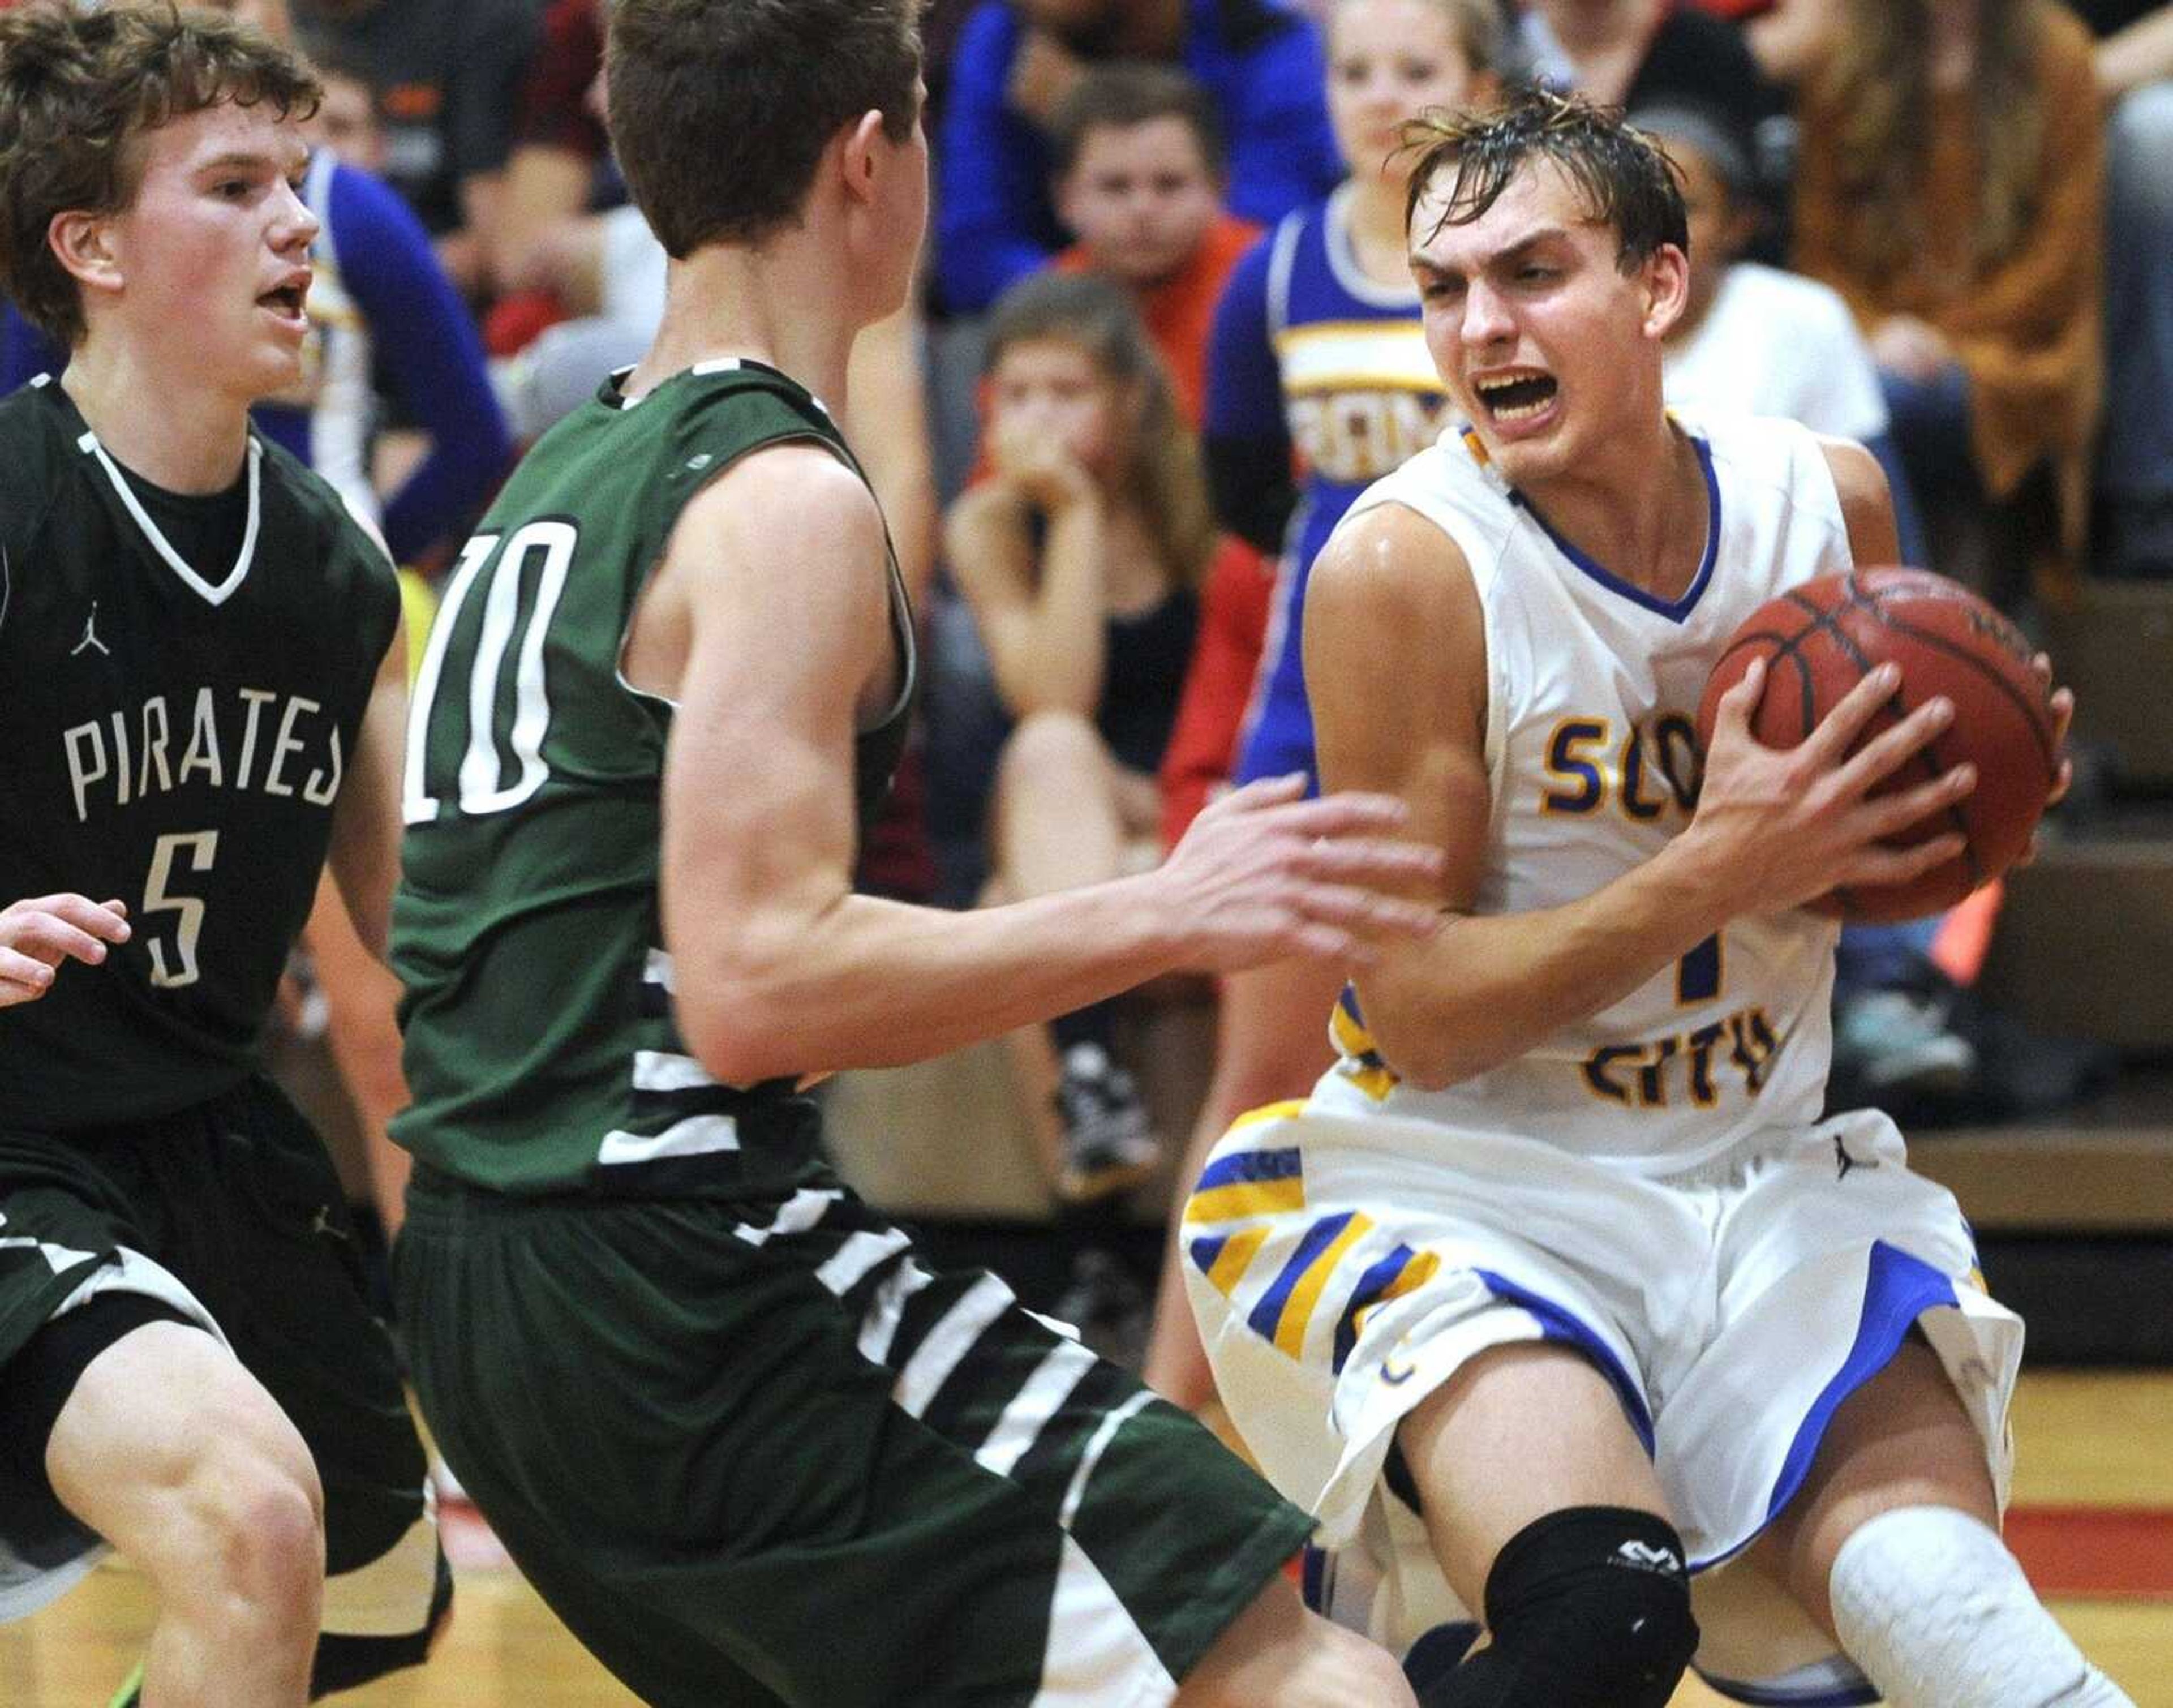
x: 1399, y: 576
x: 1389, y: 552
x: 776, y: 544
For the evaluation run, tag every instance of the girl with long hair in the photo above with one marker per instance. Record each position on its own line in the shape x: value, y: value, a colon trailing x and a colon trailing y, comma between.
x: 1949, y: 187
x: 1080, y: 555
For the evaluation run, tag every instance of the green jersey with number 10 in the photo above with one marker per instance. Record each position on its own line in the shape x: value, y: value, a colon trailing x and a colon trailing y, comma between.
x: 542, y: 1052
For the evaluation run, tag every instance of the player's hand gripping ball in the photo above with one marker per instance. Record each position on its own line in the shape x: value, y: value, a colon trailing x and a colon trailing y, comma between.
x: 1821, y: 638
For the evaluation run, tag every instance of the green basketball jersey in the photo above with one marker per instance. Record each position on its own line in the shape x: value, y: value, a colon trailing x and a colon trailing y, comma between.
x: 176, y: 732
x: 542, y: 1052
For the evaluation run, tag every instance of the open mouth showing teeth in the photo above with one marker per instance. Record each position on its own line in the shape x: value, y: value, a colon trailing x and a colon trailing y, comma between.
x: 287, y: 300
x: 1513, y: 400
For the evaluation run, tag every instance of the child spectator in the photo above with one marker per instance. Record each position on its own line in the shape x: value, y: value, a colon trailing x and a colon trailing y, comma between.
x: 1949, y: 187
x: 1016, y: 60
x: 1140, y: 173
x: 1756, y: 340
x: 1079, y: 557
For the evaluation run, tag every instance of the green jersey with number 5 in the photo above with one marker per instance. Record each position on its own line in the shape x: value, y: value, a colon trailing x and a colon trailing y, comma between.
x: 181, y: 680
x: 541, y: 1051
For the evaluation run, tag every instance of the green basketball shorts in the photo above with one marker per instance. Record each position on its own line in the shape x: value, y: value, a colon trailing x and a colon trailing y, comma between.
x: 757, y: 1454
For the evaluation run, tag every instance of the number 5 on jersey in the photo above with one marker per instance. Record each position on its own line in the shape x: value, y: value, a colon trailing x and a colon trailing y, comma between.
x: 201, y: 849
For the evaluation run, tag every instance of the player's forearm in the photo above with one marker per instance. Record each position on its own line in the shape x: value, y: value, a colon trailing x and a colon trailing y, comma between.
x: 878, y: 984
x: 1487, y: 989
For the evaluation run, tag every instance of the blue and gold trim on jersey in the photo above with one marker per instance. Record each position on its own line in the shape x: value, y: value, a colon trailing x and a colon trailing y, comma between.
x: 1356, y: 356
x: 1283, y: 1311
x: 1249, y: 1182
x: 1361, y: 1063
x: 1224, y: 1258
x: 1325, y: 1268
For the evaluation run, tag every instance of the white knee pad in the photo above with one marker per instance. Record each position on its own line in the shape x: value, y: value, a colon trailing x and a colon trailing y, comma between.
x: 1931, y: 1605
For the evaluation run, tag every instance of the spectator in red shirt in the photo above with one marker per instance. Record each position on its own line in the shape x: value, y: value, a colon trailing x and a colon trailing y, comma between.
x: 1140, y: 178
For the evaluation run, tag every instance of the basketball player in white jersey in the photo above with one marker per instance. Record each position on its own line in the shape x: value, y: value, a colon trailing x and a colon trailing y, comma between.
x: 1558, y: 1302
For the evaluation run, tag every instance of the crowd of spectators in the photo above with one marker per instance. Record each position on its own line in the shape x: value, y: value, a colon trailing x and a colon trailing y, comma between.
x: 1166, y: 333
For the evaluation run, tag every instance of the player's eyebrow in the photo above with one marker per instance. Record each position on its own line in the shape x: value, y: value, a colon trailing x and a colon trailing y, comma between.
x: 254, y: 159
x: 1507, y: 255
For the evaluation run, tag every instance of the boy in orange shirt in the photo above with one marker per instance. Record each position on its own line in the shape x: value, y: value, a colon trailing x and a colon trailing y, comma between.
x: 1140, y: 180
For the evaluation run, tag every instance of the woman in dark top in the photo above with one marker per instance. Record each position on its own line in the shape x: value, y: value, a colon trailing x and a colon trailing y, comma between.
x: 1080, y: 557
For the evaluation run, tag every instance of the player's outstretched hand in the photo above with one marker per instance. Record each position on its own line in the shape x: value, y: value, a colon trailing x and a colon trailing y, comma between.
x: 1264, y: 874
x: 35, y: 936
x: 1789, y: 824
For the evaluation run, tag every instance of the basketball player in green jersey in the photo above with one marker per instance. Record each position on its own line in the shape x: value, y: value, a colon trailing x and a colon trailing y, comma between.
x: 746, y: 1444
x: 202, y: 694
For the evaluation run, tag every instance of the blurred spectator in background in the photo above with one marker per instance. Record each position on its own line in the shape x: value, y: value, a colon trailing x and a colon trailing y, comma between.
x: 1016, y: 60
x: 2135, y: 465
x: 347, y: 118
x: 1949, y: 186
x: 448, y: 80
x: 1319, y: 383
x: 562, y: 163
x: 379, y: 305
x: 1235, y: 608
x: 1757, y: 340
x: 1646, y: 53
x: 1140, y: 180
x: 1079, y: 556
x: 561, y: 230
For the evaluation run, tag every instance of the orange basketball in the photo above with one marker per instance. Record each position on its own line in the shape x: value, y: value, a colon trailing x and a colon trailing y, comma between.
x: 1823, y: 638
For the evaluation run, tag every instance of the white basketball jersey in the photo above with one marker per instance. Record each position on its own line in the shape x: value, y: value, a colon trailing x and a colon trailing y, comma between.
x: 1592, y: 702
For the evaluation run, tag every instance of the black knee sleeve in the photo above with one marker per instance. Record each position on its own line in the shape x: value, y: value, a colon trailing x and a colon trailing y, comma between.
x: 345, y: 1661
x: 1587, y: 1608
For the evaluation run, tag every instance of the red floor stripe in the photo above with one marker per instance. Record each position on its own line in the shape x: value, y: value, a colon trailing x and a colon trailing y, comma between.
x: 2090, y: 1551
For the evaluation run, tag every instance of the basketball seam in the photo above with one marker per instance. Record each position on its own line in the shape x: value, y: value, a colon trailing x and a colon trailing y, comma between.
x: 1961, y: 654
x: 1928, y: 754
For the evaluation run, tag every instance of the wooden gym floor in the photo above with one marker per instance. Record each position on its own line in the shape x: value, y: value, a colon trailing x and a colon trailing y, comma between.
x: 2093, y: 1520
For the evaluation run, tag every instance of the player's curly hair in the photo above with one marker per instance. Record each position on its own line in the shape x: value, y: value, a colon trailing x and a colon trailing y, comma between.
x: 1627, y: 180
x: 720, y: 110
x: 78, y: 89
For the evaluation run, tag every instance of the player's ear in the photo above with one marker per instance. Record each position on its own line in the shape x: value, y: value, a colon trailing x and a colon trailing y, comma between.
x: 1667, y: 287
x: 83, y: 244
x: 860, y: 156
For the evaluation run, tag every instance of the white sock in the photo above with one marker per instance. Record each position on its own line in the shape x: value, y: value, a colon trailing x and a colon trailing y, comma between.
x: 1935, y: 1610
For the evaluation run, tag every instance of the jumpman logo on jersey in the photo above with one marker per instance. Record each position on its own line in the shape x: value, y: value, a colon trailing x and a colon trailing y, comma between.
x: 90, y: 634
x: 1844, y: 1161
